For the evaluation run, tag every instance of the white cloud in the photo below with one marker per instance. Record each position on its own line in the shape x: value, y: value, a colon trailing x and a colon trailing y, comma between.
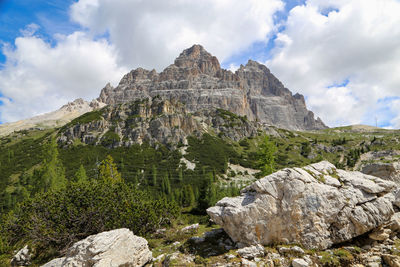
x: 395, y: 108
x: 39, y: 78
x: 359, y: 41
x: 151, y: 33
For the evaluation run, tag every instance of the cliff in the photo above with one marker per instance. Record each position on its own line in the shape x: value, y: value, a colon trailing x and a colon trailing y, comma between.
x: 197, y: 80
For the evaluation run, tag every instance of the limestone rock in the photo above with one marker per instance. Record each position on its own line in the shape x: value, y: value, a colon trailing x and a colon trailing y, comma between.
x: 386, y: 171
x: 299, y: 205
x: 118, y: 247
x: 380, y: 234
x: 22, y: 257
x: 251, y: 252
x: 197, y: 80
x: 299, y: 263
x: 394, y: 224
x: 154, y: 120
x: 247, y: 263
x: 190, y: 228
x: 391, y: 260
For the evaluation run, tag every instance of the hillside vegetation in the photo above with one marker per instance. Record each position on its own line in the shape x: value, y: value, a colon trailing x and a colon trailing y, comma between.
x: 54, y: 194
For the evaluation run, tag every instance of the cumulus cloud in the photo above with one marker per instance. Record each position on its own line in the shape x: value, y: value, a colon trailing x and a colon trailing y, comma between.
x: 38, y: 77
x: 327, y: 42
x: 118, y: 35
x: 151, y: 33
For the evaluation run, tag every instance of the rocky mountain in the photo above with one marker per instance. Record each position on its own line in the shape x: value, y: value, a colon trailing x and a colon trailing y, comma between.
x: 52, y: 119
x: 155, y: 120
x: 197, y: 80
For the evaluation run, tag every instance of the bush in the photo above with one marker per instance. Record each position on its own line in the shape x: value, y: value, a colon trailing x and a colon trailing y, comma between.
x: 56, y: 219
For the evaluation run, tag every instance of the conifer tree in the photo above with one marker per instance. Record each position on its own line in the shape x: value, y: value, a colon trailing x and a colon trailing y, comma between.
x: 180, y: 176
x: 189, y: 198
x: 108, y: 170
x: 52, y: 172
x: 154, y: 176
x: 165, y: 185
x: 266, y: 156
x: 80, y: 175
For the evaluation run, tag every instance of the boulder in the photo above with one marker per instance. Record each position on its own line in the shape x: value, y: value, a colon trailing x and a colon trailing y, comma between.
x: 118, y: 247
x: 251, y: 252
x: 299, y: 263
x: 22, y: 257
x: 316, y: 206
x: 190, y: 228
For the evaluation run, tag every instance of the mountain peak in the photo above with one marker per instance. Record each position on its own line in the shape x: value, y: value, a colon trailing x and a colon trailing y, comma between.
x: 197, y: 57
x: 197, y: 80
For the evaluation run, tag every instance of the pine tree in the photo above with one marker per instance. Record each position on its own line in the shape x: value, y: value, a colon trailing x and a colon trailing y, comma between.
x: 108, y: 170
x: 180, y: 176
x: 80, y: 175
x: 266, y: 157
x: 52, y: 172
x: 208, y: 193
x: 154, y: 176
x: 190, y: 200
x: 165, y: 185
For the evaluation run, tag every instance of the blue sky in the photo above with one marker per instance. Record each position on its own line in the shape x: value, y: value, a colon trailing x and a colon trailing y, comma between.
x: 51, y: 15
x: 55, y: 51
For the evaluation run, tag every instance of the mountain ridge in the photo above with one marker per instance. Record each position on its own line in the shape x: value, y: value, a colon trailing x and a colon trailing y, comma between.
x: 197, y: 80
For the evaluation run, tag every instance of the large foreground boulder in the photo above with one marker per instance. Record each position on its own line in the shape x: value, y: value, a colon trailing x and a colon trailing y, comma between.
x: 316, y: 206
x: 118, y: 247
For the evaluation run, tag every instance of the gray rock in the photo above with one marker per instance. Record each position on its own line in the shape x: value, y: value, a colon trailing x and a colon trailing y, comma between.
x: 56, y: 263
x: 251, y: 252
x: 386, y: 171
x: 394, y: 224
x: 22, y: 257
x: 113, y: 248
x: 391, y: 260
x: 190, y: 228
x: 247, y: 263
x: 295, y: 204
x: 380, y: 234
x: 299, y: 263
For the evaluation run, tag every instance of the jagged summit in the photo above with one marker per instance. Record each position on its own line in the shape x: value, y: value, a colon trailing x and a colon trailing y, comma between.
x: 196, y: 57
x: 197, y: 80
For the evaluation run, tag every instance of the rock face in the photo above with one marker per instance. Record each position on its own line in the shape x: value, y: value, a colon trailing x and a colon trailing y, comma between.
x: 197, y: 80
x: 315, y: 206
x: 113, y: 248
x: 386, y: 171
x: 154, y: 121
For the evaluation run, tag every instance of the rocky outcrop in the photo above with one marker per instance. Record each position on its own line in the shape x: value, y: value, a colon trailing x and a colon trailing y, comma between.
x: 154, y: 121
x: 113, y: 248
x: 22, y: 257
x: 197, y: 80
x: 316, y: 206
